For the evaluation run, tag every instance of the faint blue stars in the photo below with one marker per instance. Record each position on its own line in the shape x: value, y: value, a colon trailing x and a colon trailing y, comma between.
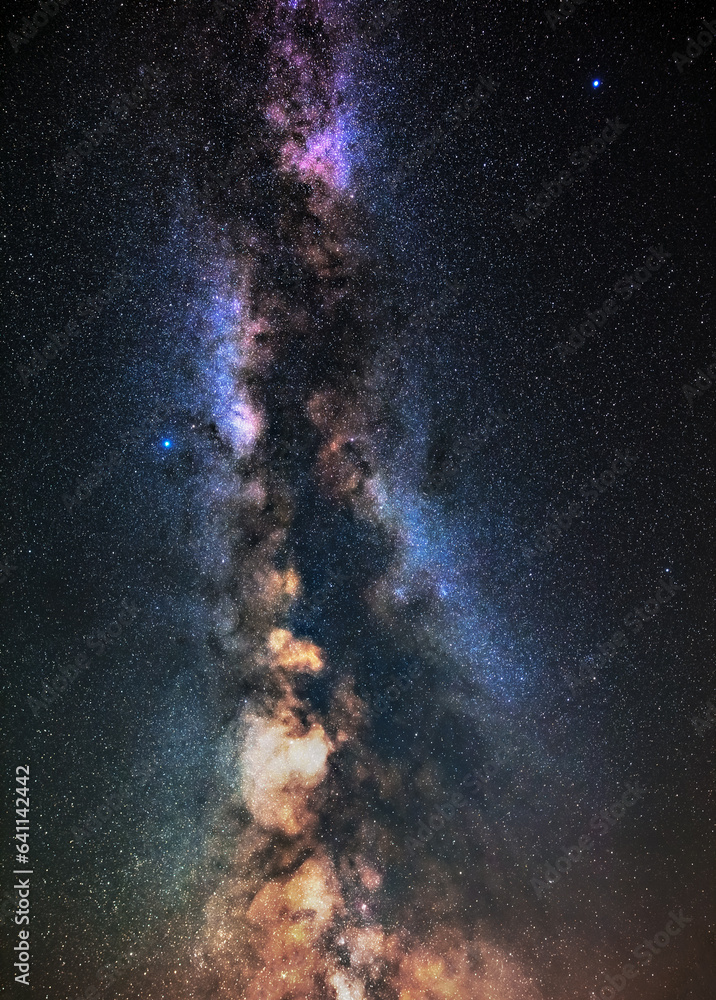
x: 166, y: 443
x: 596, y: 83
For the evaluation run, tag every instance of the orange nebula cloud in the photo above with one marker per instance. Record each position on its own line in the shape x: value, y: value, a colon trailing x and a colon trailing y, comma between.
x: 280, y: 767
x: 346, y: 986
x: 297, y: 655
x: 370, y: 877
x: 366, y: 946
x: 305, y: 903
x: 291, y: 917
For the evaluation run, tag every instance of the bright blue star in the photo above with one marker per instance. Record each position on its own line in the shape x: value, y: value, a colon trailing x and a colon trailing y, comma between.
x: 166, y: 443
x: 596, y: 83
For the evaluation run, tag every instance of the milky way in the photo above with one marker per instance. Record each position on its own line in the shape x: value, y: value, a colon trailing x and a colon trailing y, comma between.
x: 413, y: 699
x: 297, y: 401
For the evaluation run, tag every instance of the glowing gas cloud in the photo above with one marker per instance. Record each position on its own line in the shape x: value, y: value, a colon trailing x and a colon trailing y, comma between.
x: 308, y: 905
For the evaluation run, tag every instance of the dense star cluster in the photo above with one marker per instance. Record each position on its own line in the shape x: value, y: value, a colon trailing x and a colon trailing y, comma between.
x: 358, y: 556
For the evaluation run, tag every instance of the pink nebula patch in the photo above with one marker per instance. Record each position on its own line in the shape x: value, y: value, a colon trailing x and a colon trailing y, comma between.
x: 324, y: 158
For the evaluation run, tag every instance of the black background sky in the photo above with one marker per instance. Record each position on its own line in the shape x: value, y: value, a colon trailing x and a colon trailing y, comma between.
x: 155, y: 696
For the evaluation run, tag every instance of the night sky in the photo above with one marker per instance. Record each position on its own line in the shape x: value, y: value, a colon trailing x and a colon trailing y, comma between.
x: 358, y: 538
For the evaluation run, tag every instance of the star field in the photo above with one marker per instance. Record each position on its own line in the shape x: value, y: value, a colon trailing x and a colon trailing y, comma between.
x: 358, y: 548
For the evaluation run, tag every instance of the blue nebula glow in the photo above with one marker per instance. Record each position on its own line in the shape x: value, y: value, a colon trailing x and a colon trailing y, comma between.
x: 472, y: 634
x: 166, y: 443
x: 596, y: 83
